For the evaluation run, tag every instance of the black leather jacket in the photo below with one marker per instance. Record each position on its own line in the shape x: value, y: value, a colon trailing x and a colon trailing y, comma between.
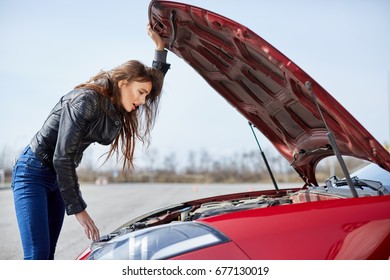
x: 80, y: 118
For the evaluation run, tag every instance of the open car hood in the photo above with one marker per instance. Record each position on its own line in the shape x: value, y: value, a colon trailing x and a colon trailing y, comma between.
x: 265, y: 86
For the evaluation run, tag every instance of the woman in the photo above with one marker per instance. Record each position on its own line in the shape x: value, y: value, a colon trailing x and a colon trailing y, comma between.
x: 116, y: 107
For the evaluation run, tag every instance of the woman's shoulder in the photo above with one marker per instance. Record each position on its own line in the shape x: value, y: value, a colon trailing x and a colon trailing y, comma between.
x: 85, y: 101
x: 84, y: 94
x: 82, y: 97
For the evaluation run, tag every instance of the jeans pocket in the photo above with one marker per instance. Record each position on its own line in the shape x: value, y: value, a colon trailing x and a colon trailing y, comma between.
x: 35, y: 164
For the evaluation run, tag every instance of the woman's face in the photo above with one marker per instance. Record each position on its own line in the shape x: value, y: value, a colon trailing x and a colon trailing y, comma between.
x: 133, y: 94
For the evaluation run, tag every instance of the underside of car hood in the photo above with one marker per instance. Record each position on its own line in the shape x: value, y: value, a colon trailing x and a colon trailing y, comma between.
x: 266, y: 87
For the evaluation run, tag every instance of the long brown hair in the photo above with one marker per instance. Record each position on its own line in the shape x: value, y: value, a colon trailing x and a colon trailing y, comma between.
x: 138, y: 123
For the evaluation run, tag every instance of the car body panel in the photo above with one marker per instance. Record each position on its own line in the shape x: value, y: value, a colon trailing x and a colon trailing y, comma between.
x: 265, y: 86
x: 333, y: 229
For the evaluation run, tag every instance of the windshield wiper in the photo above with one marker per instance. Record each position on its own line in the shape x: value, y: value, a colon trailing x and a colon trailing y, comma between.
x: 333, y: 143
x: 360, y: 183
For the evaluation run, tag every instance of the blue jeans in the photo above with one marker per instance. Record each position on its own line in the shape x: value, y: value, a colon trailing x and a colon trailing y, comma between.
x: 39, y: 206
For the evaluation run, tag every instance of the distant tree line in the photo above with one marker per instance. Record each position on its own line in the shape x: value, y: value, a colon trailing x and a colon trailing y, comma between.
x: 202, y: 167
x: 199, y: 167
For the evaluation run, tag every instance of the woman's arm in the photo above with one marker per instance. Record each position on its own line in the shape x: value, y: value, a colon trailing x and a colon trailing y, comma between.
x: 160, y: 55
x: 156, y: 38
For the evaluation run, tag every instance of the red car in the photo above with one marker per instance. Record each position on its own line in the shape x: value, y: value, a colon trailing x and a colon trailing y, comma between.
x: 345, y: 218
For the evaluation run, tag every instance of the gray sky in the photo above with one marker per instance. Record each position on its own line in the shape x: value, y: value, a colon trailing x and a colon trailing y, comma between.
x: 47, y: 47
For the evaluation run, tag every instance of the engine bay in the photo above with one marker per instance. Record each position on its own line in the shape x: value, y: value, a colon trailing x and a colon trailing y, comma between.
x: 210, y: 209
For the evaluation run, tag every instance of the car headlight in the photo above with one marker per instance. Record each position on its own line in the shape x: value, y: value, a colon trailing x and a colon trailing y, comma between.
x: 160, y: 242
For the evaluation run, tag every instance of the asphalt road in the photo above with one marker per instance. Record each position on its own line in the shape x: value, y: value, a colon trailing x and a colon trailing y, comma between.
x: 110, y: 206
